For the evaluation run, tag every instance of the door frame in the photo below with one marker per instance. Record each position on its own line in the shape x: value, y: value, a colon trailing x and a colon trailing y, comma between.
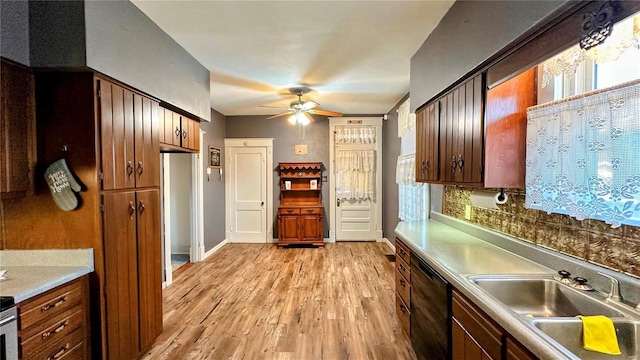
x: 196, y: 243
x: 355, y: 121
x: 245, y: 143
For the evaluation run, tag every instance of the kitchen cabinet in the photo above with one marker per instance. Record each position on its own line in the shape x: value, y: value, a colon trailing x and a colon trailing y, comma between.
x: 428, y: 143
x: 515, y: 351
x: 55, y: 324
x: 449, y: 136
x: 133, y: 274
x: 300, y: 212
x: 17, y: 129
x: 178, y: 132
x: 129, y: 133
x: 403, y: 286
x: 506, y: 130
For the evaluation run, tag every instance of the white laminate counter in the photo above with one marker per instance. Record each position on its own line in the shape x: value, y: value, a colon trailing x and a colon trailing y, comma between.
x: 33, y: 272
x: 455, y: 255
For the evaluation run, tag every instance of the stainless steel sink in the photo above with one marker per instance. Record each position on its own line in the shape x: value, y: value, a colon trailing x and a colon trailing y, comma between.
x: 568, y: 333
x: 541, y: 296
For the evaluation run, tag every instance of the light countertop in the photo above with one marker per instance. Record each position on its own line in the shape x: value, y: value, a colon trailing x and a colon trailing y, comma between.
x: 33, y: 272
x: 455, y: 255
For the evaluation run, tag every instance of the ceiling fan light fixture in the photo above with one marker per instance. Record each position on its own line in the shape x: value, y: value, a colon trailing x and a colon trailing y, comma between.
x: 293, y: 119
x: 303, y: 120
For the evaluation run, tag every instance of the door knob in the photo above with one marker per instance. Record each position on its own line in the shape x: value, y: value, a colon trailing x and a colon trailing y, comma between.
x: 261, y: 203
x: 338, y: 202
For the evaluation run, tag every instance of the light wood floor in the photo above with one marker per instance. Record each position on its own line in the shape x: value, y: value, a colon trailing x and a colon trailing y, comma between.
x: 252, y: 301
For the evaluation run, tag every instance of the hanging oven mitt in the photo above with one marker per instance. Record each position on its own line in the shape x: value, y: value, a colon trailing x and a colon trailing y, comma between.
x: 62, y: 185
x: 599, y: 334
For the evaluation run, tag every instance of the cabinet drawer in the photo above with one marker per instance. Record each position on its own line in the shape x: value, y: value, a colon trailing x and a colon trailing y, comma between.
x: 403, y: 288
x: 316, y: 210
x: 50, y: 304
x: 64, y: 348
x: 403, y: 268
x: 483, y: 330
x: 53, y: 334
x: 289, y: 211
x: 403, y: 315
x: 403, y: 251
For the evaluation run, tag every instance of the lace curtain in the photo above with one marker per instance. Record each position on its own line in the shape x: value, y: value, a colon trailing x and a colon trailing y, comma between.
x: 406, y: 120
x: 355, y: 135
x: 355, y: 174
x: 412, y: 196
x: 582, y: 156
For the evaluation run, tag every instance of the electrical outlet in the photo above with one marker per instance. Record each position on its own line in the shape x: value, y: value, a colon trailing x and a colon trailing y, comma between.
x: 467, y: 212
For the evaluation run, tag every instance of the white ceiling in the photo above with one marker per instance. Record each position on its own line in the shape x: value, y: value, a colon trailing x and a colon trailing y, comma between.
x: 355, y: 55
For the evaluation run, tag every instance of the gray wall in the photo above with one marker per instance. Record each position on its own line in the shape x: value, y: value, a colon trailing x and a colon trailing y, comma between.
x: 470, y: 33
x: 285, y: 136
x: 213, y: 189
x: 390, y: 152
x: 119, y: 40
x: 125, y: 44
x: 14, y: 33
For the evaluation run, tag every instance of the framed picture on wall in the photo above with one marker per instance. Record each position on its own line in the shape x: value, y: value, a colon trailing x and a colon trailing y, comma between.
x: 214, y: 157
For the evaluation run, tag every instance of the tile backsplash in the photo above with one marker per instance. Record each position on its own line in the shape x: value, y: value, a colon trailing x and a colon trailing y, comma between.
x: 590, y: 240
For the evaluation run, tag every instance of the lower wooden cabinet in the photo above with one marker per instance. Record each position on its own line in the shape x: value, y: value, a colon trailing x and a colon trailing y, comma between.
x: 300, y: 225
x: 475, y: 336
x: 54, y: 325
x: 403, y: 286
x: 133, y: 271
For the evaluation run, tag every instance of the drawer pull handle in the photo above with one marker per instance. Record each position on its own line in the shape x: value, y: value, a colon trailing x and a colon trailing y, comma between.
x: 59, y: 353
x: 403, y: 309
x: 309, y: 211
x: 55, y: 304
x: 289, y: 211
x: 57, y: 330
x: 129, y: 169
x: 401, y: 252
x: 402, y: 268
x: 402, y: 283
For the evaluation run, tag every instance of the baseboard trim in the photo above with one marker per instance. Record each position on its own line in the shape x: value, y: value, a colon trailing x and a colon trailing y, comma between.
x: 328, y: 240
x: 389, y: 244
x: 214, y: 249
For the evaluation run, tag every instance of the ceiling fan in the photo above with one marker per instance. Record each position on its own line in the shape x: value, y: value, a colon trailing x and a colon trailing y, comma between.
x: 301, y: 111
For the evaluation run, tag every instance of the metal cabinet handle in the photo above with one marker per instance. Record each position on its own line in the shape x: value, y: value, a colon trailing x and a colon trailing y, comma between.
x: 403, y: 283
x: 59, y: 353
x: 129, y: 168
x: 56, y: 330
x: 141, y: 208
x: 403, y: 309
x: 52, y: 305
x: 177, y: 132
x: 140, y: 168
x: 460, y: 162
x: 132, y: 209
x: 184, y: 134
x: 454, y: 164
x: 402, y: 267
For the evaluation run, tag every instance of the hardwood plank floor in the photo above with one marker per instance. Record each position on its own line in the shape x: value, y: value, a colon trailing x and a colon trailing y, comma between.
x: 254, y: 301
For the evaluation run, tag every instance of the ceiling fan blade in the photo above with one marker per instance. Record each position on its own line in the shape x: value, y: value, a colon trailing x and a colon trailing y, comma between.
x: 308, y: 105
x: 325, y: 113
x: 278, y: 115
x: 311, y: 119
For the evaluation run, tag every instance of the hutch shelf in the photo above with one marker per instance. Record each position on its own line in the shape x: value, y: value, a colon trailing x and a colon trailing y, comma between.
x: 300, y: 211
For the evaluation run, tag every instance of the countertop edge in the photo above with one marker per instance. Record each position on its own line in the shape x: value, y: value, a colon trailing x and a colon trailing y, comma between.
x: 52, y: 284
x: 505, y: 318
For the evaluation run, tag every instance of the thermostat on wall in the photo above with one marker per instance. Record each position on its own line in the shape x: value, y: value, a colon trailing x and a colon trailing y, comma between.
x: 300, y: 149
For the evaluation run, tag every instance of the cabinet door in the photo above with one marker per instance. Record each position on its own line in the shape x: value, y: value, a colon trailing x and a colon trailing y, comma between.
x: 464, y: 347
x: 16, y: 128
x: 310, y: 227
x: 177, y: 129
x: 117, y: 145
x: 288, y: 227
x: 432, y: 136
x: 147, y: 146
x: 422, y: 144
x: 515, y: 351
x: 149, y: 266
x: 121, y: 275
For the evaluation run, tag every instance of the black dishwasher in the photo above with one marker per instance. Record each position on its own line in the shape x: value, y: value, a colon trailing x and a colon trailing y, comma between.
x: 430, y: 312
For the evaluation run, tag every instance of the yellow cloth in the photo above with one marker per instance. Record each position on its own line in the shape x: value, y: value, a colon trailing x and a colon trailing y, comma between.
x: 599, y: 334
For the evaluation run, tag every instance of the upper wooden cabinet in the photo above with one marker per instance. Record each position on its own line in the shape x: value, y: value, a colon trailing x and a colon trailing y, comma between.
x: 506, y: 130
x: 16, y: 129
x: 129, y: 134
x: 449, y: 143
x: 178, y: 132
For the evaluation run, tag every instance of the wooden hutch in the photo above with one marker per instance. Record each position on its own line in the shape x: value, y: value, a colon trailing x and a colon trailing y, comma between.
x: 300, y: 211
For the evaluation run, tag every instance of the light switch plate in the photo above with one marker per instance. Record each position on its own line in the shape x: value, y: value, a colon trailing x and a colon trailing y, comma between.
x: 300, y: 149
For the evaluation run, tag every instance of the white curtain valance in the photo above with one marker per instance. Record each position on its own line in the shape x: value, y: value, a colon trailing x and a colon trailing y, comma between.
x: 406, y: 169
x: 355, y: 174
x: 582, y: 156
x: 406, y: 120
x: 355, y: 135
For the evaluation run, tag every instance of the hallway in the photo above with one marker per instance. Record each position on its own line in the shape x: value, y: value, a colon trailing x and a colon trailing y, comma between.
x: 252, y: 301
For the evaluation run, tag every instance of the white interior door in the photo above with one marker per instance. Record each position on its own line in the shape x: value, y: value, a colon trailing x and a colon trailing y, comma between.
x: 247, y: 169
x: 355, y: 220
